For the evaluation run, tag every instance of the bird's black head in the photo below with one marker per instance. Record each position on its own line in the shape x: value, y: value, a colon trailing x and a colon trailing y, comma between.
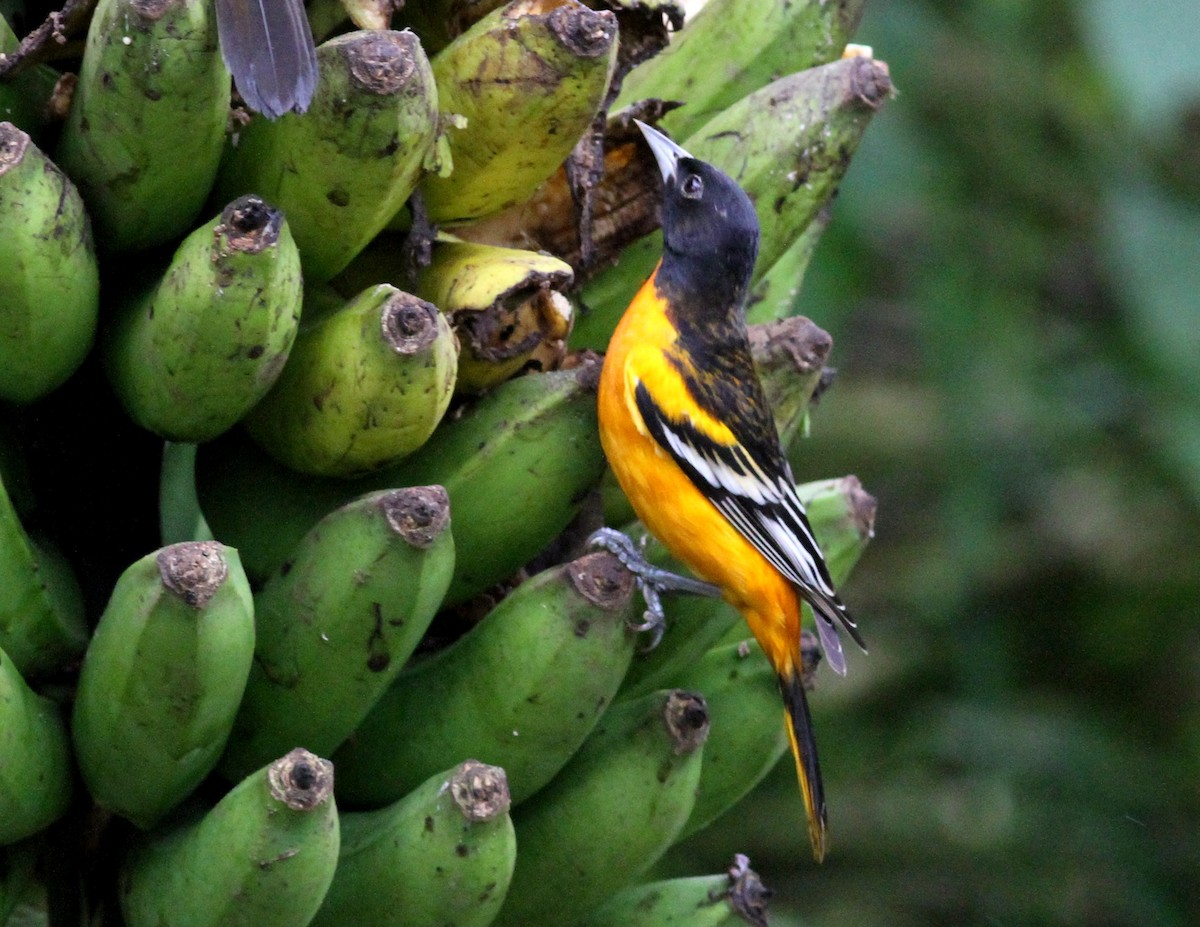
x: 710, y: 229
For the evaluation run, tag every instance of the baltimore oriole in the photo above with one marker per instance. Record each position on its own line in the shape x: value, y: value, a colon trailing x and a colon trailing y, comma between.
x: 268, y: 47
x: 692, y: 441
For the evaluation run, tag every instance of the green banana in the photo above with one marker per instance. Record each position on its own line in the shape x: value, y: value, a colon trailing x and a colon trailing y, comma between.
x: 522, y: 689
x: 441, y: 855
x: 342, y: 169
x: 190, y: 356
x: 746, y: 738
x: 776, y: 293
x: 42, y: 623
x: 152, y: 86
x: 611, y: 811
x: 365, y: 386
x: 732, y: 898
x: 529, y: 78
x: 842, y: 516
x: 787, y: 145
x: 162, y: 679
x: 505, y: 304
x: 48, y: 272
x: 35, y: 758
x: 25, y: 99
x: 734, y: 47
x: 264, y: 856
x: 338, y: 620
x: 517, y: 464
x: 790, y: 356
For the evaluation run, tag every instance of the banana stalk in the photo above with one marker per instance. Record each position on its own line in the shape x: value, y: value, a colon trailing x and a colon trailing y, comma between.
x: 529, y: 78
x: 264, y: 856
x: 731, y: 899
x: 365, y: 386
x: 337, y: 622
x: 48, y: 272
x: 610, y: 813
x: 517, y: 464
x: 442, y: 855
x: 35, y: 758
x: 341, y: 170
x: 42, y: 623
x: 144, y: 135
x: 522, y: 689
x: 162, y: 679
x: 189, y: 357
x: 734, y: 47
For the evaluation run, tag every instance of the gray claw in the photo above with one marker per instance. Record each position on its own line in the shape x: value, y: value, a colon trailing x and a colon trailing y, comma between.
x: 653, y: 581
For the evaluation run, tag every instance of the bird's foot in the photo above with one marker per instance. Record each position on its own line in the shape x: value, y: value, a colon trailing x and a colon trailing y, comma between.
x: 652, y: 581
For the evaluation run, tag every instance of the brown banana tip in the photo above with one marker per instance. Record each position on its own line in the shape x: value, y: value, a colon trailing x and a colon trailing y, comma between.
x: 862, y: 507
x: 193, y: 570
x: 409, y: 325
x: 602, y: 579
x: 381, y: 62
x: 870, y: 81
x: 480, y: 791
x: 249, y: 225
x: 419, y: 514
x: 686, y: 717
x: 301, y: 780
x: 800, y: 339
x: 747, y: 895
x: 586, y: 32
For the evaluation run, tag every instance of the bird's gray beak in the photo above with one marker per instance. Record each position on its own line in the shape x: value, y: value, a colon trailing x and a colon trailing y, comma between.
x: 666, y: 152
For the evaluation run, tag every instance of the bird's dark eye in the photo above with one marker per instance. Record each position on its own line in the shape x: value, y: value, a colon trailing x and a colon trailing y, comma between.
x: 692, y: 187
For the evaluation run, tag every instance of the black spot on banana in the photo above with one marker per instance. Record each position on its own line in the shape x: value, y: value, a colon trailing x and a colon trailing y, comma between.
x: 337, y: 621
x: 522, y: 689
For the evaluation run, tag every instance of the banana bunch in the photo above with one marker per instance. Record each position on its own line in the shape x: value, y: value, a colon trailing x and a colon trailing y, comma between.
x: 348, y: 660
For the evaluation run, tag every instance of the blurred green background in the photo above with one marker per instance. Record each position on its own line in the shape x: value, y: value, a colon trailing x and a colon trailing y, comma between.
x: 1012, y: 280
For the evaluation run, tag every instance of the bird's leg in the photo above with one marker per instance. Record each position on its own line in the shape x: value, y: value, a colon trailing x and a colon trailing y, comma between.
x: 653, y: 581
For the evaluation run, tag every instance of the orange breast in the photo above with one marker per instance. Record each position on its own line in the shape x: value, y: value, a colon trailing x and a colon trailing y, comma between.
x: 673, y: 509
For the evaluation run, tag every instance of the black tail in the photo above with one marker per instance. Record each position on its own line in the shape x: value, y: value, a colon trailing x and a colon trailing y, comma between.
x: 808, y: 769
x: 268, y: 47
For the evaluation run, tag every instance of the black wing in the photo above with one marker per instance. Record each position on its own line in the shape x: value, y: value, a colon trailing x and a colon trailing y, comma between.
x: 755, y: 491
x: 268, y: 47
